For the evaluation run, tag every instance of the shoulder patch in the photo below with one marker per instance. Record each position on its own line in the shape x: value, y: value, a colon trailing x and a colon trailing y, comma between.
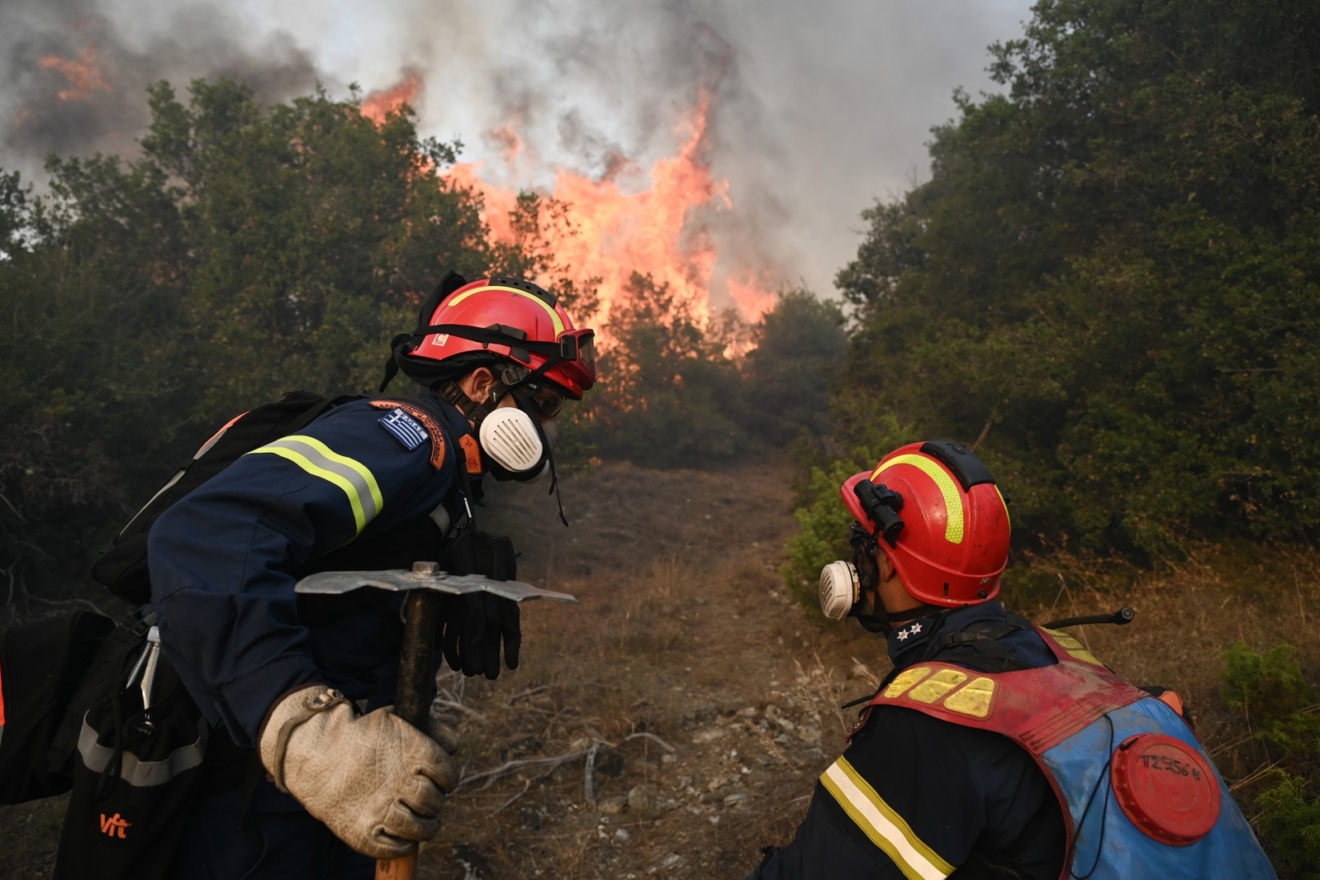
x: 404, y: 428
x: 412, y: 426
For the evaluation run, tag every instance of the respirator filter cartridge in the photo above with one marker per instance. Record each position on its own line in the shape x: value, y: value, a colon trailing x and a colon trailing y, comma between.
x: 840, y: 589
x: 509, y: 436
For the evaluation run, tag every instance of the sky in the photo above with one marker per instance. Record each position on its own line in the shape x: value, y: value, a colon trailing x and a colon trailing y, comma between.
x: 816, y: 110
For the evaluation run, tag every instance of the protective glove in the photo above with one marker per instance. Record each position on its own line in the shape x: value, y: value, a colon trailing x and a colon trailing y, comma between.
x: 474, y: 626
x: 374, y: 780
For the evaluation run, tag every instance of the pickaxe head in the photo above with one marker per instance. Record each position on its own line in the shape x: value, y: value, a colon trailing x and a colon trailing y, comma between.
x: 424, y: 576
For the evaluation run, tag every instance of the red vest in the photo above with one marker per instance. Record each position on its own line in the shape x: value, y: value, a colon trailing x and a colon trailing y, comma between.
x: 1165, y: 813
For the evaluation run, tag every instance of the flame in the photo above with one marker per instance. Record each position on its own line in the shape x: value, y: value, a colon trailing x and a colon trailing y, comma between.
x: 381, y: 103
x: 658, y: 230
x: 751, y: 292
x: 83, y: 74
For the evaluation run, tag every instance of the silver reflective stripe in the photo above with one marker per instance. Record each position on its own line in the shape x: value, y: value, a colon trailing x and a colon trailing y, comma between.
x: 142, y: 774
x: 348, y: 474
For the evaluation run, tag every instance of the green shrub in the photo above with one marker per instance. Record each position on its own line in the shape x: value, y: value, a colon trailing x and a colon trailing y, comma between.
x: 1276, y: 699
x: 823, y: 517
x: 1267, y: 688
x: 1289, y: 826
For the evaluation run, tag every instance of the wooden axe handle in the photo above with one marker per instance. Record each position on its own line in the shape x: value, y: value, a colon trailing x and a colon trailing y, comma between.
x: 413, y: 699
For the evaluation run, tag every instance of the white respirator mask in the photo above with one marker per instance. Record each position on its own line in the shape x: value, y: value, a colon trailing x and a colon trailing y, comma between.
x: 843, y: 583
x: 840, y: 589
x: 512, y: 440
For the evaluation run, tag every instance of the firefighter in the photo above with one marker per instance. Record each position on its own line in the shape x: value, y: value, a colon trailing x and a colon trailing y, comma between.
x: 300, y: 683
x: 994, y: 749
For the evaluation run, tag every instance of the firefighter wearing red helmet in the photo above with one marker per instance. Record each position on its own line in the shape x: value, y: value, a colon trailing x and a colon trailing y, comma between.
x: 500, y: 344
x: 995, y: 748
x: 305, y: 762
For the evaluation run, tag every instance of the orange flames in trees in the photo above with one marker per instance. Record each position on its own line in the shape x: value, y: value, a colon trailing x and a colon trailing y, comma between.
x: 380, y: 104
x: 83, y: 74
x: 658, y: 230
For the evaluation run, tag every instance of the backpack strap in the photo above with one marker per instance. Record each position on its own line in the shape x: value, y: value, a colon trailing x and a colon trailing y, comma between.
x: 121, y: 566
x: 984, y: 651
x: 105, y: 673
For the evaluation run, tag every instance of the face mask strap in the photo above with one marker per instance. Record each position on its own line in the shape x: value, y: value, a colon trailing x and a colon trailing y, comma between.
x: 474, y: 410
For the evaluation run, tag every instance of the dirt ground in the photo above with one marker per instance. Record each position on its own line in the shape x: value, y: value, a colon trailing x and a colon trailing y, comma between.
x: 687, y: 668
x: 675, y: 721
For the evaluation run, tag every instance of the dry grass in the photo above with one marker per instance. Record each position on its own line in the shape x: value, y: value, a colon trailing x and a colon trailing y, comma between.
x: 670, y: 647
x: 29, y: 837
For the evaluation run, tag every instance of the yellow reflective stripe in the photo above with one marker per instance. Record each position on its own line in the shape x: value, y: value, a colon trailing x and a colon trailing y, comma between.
x: 554, y: 316
x: 319, y: 460
x: 953, y: 523
x: 882, y: 825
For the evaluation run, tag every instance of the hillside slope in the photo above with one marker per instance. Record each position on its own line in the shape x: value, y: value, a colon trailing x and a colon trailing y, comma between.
x: 706, y: 700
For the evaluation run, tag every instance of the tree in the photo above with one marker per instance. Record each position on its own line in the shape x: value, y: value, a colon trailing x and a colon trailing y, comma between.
x: 797, y: 345
x: 1112, y: 275
x: 313, y: 232
x: 669, y: 396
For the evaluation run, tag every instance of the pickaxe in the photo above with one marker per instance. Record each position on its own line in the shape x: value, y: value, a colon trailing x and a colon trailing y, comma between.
x: 424, y: 586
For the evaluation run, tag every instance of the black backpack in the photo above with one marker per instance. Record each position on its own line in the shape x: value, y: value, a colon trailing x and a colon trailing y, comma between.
x: 122, y: 566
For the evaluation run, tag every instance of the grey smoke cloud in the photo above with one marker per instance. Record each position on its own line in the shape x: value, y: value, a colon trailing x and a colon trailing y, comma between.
x: 818, y: 108
x: 76, y: 71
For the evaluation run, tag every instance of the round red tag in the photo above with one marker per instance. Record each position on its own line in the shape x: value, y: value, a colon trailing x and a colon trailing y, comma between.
x: 1166, y: 787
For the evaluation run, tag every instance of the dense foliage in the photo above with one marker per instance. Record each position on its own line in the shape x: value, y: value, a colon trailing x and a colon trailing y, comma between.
x: 676, y: 393
x: 1113, y: 275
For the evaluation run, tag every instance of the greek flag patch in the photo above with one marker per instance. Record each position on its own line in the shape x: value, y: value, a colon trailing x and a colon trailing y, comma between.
x: 405, y: 428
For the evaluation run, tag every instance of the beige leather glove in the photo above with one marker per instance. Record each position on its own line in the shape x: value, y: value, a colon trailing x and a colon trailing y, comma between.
x: 374, y: 780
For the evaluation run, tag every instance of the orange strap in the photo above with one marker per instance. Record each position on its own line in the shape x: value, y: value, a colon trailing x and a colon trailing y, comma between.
x: 1174, y: 702
x: 472, y: 452
x: 2, y: 699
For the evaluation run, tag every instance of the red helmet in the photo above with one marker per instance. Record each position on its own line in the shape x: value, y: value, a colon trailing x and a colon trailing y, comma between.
x: 514, y: 319
x: 952, y: 544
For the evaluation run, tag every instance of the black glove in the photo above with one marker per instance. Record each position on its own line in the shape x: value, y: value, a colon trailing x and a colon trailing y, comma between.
x: 476, y: 623
x: 474, y: 626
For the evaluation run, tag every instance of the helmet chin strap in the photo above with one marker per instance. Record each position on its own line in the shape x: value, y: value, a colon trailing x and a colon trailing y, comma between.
x: 884, y: 621
x: 923, y: 610
x: 520, y: 395
x: 475, y: 411
x: 507, y: 379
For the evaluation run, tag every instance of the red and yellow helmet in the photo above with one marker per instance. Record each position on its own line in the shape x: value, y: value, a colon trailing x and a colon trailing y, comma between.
x: 505, y: 318
x: 952, y: 544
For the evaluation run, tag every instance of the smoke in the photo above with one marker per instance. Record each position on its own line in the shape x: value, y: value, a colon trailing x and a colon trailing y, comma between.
x: 76, y: 75
x: 816, y: 109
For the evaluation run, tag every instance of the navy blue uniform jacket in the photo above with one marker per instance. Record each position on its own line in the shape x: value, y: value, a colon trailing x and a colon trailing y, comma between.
x: 224, y: 559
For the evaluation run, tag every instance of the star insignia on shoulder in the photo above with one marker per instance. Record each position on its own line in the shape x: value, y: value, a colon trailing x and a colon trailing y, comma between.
x: 902, y: 635
x: 916, y: 628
